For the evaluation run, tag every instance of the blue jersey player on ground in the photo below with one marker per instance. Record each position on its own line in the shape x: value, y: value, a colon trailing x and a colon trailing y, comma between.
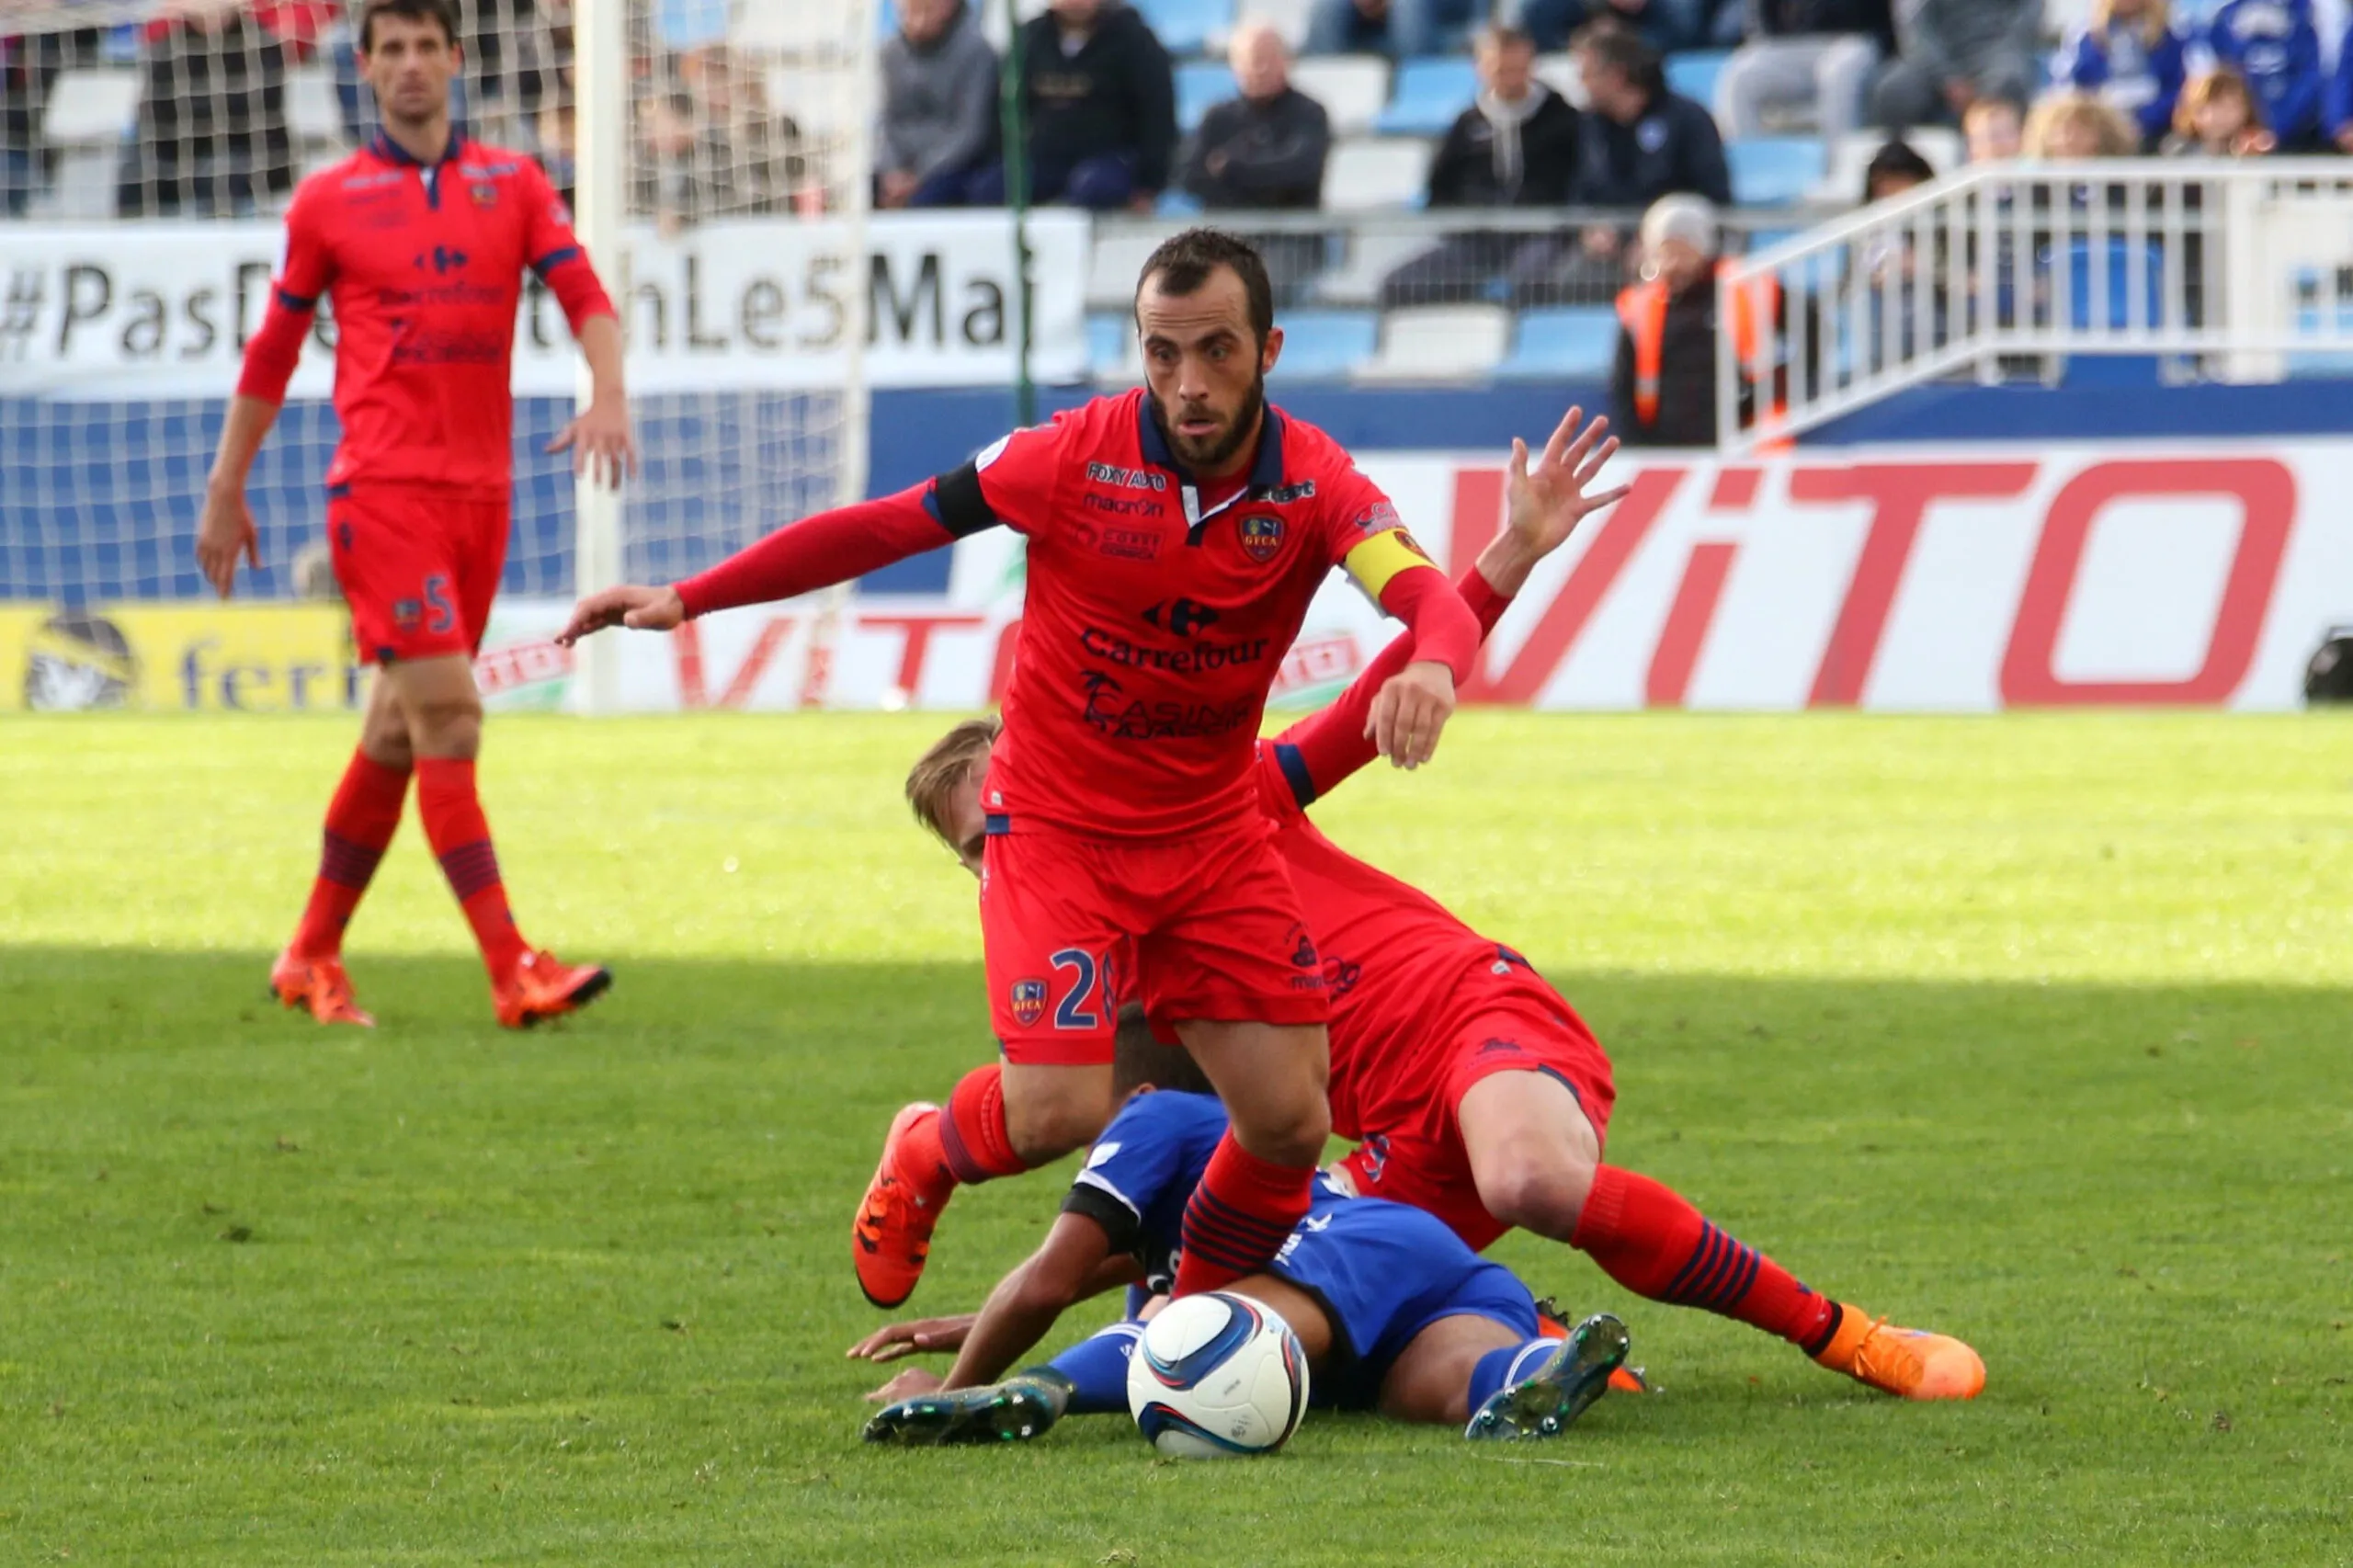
x: 1394, y: 1312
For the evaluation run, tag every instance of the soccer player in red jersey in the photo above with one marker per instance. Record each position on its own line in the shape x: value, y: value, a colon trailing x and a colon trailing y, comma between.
x: 420, y: 239
x: 1479, y: 1094
x: 1175, y: 537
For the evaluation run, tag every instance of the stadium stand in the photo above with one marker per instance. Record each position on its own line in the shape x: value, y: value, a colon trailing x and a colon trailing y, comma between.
x: 1322, y: 344
x: 1188, y: 27
x: 1353, y: 88
x: 1775, y: 171
x: 1576, y: 342
x: 1428, y: 96
x: 1372, y: 174
x: 1438, y: 342
x: 1202, y: 84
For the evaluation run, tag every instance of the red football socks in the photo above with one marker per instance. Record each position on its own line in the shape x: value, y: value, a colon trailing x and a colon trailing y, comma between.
x: 965, y: 1144
x: 1238, y: 1217
x: 1649, y: 1239
x: 461, y: 840
x: 360, y: 821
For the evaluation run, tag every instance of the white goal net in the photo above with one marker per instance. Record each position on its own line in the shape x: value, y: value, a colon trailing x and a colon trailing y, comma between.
x: 148, y: 150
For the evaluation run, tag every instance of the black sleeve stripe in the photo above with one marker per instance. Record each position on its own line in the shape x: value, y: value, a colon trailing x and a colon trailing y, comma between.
x: 956, y: 499
x: 1294, y: 767
x: 1119, y: 1221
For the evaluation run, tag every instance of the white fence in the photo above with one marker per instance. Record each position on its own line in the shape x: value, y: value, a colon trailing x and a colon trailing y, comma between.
x: 2227, y: 269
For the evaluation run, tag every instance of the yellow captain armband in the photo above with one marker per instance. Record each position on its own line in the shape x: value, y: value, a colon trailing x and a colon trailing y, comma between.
x: 1381, y: 557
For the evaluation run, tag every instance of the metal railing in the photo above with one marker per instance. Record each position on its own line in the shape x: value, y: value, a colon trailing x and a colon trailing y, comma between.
x: 2222, y: 267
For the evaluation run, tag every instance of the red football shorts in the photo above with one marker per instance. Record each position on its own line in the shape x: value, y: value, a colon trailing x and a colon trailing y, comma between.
x: 418, y: 568
x: 1212, y: 926
x: 1511, y: 1022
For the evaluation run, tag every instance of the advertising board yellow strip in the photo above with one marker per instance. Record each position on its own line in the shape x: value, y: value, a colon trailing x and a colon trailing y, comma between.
x: 178, y: 658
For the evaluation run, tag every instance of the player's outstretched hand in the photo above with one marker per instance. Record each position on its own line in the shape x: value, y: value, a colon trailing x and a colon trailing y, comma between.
x: 638, y: 609
x: 600, y: 443
x: 913, y: 1383
x: 1410, y: 710
x: 912, y: 1337
x: 1547, y: 502
x: 224, y: 532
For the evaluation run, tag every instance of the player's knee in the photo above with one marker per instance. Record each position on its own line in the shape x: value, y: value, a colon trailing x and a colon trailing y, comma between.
x: 1291, y: 1131
x: 1537, y: 1187
x: 447, y: 727
x: 1046, y: 1127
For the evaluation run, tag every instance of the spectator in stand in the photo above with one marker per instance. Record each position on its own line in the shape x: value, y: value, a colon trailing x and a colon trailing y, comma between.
x: 1895, y: 168
x: 1267, y: 147
x: 1102, y: 105
x: 2274, y: 45
x: 2129, y: 55
x: 712, y: 149
x: 1889, y: 264
x: 1637, y: 141
x: 1953, y: 52
x: 2337, y: 105
x: 1665, y: 25
x: 1403, y: 29
x: 939, y: 106
x: 1817, y: 53
x: 559, y: 145
x: 1516, y: 146
x: 1663, y: 385
x: 2069, y: 123
x: 2219, y: 117
x: 1994, y: 130
x: 211, y: 137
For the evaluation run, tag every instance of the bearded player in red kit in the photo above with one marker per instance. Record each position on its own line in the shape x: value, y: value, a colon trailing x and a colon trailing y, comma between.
x: 1176, y: 534
x: 419, y: 239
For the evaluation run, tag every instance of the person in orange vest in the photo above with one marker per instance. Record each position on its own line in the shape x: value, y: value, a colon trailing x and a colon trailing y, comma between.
x: 1662, y: 388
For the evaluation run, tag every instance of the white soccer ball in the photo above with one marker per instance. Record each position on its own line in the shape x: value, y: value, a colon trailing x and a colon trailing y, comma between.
x: 1216, y: 1375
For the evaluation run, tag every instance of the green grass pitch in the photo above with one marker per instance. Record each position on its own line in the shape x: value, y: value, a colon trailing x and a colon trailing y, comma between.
x: 2037, y: 1029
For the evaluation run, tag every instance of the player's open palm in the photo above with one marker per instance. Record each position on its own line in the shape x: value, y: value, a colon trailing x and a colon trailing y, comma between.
x: 224, y: 532
x: 1547, y: 500
x: 638, y: 609
x: 600, y: 443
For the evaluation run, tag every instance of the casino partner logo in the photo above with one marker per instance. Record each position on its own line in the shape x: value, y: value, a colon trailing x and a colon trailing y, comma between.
x: 77, y: 661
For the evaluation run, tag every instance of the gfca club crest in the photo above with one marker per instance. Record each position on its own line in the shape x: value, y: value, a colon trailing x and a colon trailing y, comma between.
x: 1028, y: 1001
x: 1262, y: 537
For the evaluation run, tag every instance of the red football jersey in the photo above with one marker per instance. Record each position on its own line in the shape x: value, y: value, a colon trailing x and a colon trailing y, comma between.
x: 424, y: 264
x: 1157, y: 619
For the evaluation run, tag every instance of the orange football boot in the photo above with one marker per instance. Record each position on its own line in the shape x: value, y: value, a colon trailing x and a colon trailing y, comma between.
x: 891, y: 1239
x: 318, y: 985
x: 538, y: 987
x: 1910, y: 1363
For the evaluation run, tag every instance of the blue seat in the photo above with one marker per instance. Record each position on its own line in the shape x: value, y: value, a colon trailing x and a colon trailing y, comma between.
x: 1186, y: 26
x: 1426, y: 97
x: 1107, y: 342
x: 1775, y: 171
x: 2120, y: 283
x: 1202, y: 84
x: 1575, y: 343
x: 1328, y: 343
x: 1177, y: 204
x: 1693, y: 73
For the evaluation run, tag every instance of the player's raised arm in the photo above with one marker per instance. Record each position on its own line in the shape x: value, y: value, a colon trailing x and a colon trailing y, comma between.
x: 1546, y: 506
x: 224, y: 531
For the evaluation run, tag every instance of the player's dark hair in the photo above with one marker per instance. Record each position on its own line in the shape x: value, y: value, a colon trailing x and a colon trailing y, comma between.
x: 442, y: 11
x: 1185, y: 261
x: 1614, y: 46
x: 1139, y: 1060
x: 1897, y: 159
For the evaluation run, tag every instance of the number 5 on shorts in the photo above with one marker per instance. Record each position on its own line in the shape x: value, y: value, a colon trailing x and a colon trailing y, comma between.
x: 1073, y: 1012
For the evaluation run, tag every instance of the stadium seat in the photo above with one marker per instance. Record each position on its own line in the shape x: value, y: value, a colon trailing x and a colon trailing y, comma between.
x: 1693, y: 73
x: 1111, y: 351
x: 1188, y: 27
x: 1351, y: 87
x: 89, y: 114
x: 1439, y: 343
x: 1559, y: 72
x: 313, y: 113
x: 1288, y: 16
x: 1774, y: 171
x: 1118, y: 257
x: 1428, y: 96
x: 1376, y: 174
x: 1852, y: 154
x: 1326, y: 343
x: 1202, y: 84
x: 1574, y: 342
x: 1370, y: 258
x: 1177, y: 204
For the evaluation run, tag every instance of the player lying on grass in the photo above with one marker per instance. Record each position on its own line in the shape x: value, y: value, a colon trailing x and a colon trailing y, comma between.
x: 1478, y: 1093
x: 1176, y: 535
x: 1394, y: 1312
x: 419, y: 239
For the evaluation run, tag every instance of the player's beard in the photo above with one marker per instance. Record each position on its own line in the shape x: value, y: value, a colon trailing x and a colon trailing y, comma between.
x: 1215, y: 453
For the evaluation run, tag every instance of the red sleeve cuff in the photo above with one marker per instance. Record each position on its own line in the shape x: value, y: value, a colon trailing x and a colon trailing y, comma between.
x: 1486, y: 605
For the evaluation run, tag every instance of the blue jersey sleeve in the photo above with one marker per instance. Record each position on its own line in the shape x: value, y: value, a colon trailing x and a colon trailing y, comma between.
x: 1142, y: 1172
